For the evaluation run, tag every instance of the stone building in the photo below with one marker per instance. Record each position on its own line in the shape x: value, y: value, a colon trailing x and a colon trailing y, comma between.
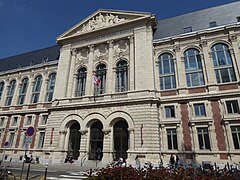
x: 130, y: 86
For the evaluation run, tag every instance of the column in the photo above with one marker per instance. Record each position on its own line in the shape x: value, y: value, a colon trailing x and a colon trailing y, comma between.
x: 70, y: 89
x: 229, y: 136
x: 206, y: 57
x: 66, y: 140
x: 89, y: 72
x: 29, y: 90
x: 62, y: 139
x: 132, y: 140
x: 110, y: 76
x: 131, y: 64
x: 16, y: 93
x: 106, y: 145
x: 182, y: 84
x: 43, y: 88
x: 3, y: 98
x: 194, y: 138
x: 163, y: 136
x: 83, y: 144
x: 212, y: 137
x: 74, y: 85
x: 235, y: 64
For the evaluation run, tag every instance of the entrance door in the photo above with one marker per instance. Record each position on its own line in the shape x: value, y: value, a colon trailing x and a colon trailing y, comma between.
x: 120, y: 134
x: 74, y: 141
x: 96, y: 140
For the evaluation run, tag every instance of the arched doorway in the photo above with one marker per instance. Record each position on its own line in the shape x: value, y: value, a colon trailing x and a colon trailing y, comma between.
x: 74, y: 141
x: 96, y: 139
x: 121, y: 138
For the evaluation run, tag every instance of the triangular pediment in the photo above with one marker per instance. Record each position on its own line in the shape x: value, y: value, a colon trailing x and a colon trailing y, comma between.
x: 103, y: 19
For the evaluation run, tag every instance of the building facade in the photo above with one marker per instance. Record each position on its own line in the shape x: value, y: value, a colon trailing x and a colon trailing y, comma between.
x: 166, y: 87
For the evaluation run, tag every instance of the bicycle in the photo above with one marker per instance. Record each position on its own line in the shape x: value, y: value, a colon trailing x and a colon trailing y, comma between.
x: 5, y: 173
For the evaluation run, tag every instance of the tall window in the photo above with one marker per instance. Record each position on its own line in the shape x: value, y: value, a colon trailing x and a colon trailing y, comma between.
x: 50, y: 87
x: 172, y: 139
x: 169, y: 111
x: 1, y: 89
x: 122, y: 76
x: 232, y: 107
x: 23, y: 91
x: 28, y: 120
x: 101, y: 74
x: 203, y: 138
x: 41, y: 140
x: 166, y: 72
x: 14, y: 121
x: 10, y: 92
x: 44, y: 119
x: 11, y: 139
x: 199, y: 109
x: 81, y: 82
x: 236, y: 136
x: 193, y: 68
x: 223, y: 65
x: 36, y: 89
x: 2, y: 121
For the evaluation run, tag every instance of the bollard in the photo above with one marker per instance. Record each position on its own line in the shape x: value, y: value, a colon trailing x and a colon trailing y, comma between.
x: 28, y: 171
x: 45, y: 176
x: 228, y: 166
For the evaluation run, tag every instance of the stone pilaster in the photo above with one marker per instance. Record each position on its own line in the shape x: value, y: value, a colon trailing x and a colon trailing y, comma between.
x: 89, y: 83
x: 110, y: 76
x: 106, y: 145
x: 131, y: 64
x: 70, y: 88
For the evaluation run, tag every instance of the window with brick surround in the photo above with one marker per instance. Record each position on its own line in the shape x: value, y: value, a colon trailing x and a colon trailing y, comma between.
x: 232, y: 106
x: 166, y: 72
x: 44, y: 119
x: 14, y: 121
x: 199, y: 109
x: 203, y: 138
x: 28, y: 120
x: 2, y: 121
x: 172, y: 139
x: 41, y: 139
x: 236, y: 136
x: 11, y: 139
x: 169, y: 111
x: 223, y: 65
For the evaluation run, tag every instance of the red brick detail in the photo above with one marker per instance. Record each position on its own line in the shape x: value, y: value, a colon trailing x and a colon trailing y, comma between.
x: 19, y: 131
x: 227, y: 87
x: 6, y: 130
x: 223, y: 156
x: 186, y: 130
x: 197, y: 90
x: 35, y: 128
x: 48, y: 105
x: 169, y: 93
x: 217, y: 118
x: 5, y: 108
x: 18, y: 107
x: 32, y: 106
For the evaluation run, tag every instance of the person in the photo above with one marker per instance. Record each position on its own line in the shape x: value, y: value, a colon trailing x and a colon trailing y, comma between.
x: 172, y: 161
x: 32, y: 159
x: 99, y: 154
x: 177, y: 160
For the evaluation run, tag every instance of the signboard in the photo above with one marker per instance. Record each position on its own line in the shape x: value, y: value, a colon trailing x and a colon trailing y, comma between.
x: 30, y: 131
x: 28, y: 139
x: 6, y: 143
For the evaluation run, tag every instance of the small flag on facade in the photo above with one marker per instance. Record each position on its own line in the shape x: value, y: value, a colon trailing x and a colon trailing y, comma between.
x: 96, y: 80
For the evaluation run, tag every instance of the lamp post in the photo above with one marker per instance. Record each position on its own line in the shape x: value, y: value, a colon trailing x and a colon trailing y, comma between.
x: 45, y: 176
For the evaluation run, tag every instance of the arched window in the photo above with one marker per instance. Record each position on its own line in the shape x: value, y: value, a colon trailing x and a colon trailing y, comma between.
x: 1, y: 89
x: 10, y: 92
x: 23, y: 91
x: 50, y: 87
x: 81, y: 82
x: 166, y: 72
x: 193, y: 68
x: 101, y: 74
x: 36, y: 89
x: 223, y: 66
x: 122, y: 76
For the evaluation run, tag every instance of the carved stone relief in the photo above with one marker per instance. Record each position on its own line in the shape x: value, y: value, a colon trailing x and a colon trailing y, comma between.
x: 82, y: 56
x: 100, y: 21
x: 101, y: 52
x: 121, y: 48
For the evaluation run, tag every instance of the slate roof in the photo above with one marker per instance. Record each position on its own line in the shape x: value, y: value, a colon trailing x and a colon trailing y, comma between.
x: 31, y: 58
x: 198, y: 20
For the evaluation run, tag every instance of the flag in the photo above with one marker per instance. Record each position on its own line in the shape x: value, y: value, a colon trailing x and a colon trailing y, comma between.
x: 96, y: 80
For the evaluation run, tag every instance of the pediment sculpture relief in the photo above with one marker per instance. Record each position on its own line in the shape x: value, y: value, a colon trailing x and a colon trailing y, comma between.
x: 101, y: 52
x: 100, y: 21
x: 121, y: 47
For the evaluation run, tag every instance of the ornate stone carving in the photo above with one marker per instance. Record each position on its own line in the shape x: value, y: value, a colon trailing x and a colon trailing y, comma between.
x: 203, y: 43
x: 106, y: 131
x: 121, y: 47
x: 83, y: 132
x: 176, y: 48
x: 100, y: 21
x: 232, y: 37
x: 82, y: 56
x: 101, y: 52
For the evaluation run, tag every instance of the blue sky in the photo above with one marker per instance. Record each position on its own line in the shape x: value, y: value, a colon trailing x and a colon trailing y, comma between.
x: 27, y: 25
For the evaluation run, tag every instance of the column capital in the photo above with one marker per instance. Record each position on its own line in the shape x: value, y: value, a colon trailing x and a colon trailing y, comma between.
x: 91, y: 48
x: 63, y: 132
x: 110, y: 43
x: 83, y: 132
x: 106, y: 131
x: 130, y: 129
x: 131, y: 38
x: 74, y: 52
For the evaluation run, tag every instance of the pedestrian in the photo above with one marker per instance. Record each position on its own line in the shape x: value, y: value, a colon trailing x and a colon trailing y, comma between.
x: 99, y: 154
x: 177, y: 161
x: 172, y: 161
